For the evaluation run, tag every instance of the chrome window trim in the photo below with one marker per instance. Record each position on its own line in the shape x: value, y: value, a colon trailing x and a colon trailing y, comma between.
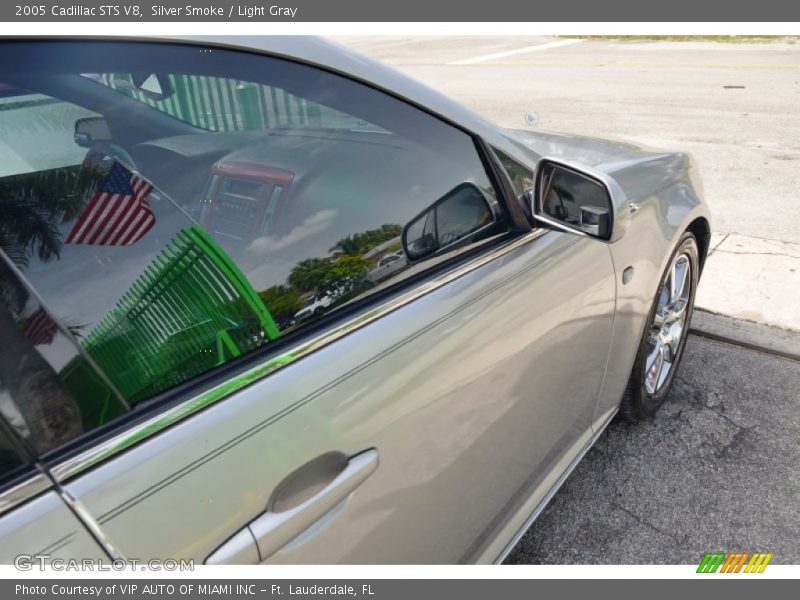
x: 83, y: 515
x: 23, y: 491
x: 122, y: 440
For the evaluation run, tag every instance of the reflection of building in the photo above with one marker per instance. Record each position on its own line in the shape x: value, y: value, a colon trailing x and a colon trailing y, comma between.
x: 191, y: 310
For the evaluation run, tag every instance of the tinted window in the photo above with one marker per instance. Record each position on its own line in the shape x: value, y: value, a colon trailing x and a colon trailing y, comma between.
x: 225, y: 104
x: 204, y: 212
x: 49, y: 392
x: 12, y: 457
x: 25, y: 120
x: 521, y: 176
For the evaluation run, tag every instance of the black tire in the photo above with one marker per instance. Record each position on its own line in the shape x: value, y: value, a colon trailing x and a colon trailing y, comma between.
x: 638, y: 402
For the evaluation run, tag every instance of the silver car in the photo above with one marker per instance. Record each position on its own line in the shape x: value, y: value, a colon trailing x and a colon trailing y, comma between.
x: 164, y: 208
x: 388, y: 266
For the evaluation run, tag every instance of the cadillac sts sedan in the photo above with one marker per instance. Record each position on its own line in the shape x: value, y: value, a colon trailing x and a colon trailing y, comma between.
x: 167, y: 207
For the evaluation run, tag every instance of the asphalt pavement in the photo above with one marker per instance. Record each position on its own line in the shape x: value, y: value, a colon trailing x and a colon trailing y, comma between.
x: 717, y: 469
x: 734, y: 106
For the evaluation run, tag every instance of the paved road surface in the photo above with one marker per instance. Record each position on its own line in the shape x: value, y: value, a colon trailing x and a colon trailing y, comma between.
x: 717, y: 469
x: 735, y: 107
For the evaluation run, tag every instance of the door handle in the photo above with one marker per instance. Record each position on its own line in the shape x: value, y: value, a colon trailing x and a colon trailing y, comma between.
x: 272, y: 530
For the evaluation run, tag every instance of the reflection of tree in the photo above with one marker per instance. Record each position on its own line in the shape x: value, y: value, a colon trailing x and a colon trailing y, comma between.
x: 306, y: 274
x: 31, y: 208
x: 339, y: 278
x: 345, y: 276
x: 359, y: 243
x: 283, y: 302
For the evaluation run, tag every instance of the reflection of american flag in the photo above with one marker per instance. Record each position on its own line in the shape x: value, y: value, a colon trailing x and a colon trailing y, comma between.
x: 118, y: 213
x: 39, y: 328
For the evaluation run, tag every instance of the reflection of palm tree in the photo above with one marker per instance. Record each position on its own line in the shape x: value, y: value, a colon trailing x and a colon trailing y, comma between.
x: 305, y: 275
x: 31, y: 208
x: 348, y: 245
x: 359, y: 243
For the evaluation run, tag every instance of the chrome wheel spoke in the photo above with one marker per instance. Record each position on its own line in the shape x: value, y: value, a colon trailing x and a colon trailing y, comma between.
x: 669, y: 324
x: 674, y: 341
x: 678, y: 310
x: 673, y: 284
x: 654, y: 365
x: 666, y: 367
x: 678, y: 277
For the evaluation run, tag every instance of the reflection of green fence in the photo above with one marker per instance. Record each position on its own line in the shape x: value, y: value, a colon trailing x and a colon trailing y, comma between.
x: 191, y: 309
x: 221, y: 104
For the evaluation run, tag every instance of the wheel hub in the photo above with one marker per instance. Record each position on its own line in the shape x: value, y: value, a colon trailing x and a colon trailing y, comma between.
x: 669, y: 324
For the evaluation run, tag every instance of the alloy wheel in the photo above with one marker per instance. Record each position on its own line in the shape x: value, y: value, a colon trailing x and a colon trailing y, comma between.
x: 669, y: 324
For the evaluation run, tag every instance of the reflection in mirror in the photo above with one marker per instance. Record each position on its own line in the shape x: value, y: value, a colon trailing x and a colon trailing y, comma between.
x: 90, y: 130
x: 204, y: 215
x: 458, y: 216
x: 574, y: 199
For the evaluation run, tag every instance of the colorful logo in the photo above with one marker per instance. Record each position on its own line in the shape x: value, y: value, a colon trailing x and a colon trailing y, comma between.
x: 734, y: 562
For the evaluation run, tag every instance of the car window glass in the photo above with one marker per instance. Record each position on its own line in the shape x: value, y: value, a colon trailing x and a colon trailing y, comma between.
x: 166, y: 243
x: 521, y: 176
x: 27, y: 118
x: 225, y: 104
x: 49, y: 392
x: 465, y: 212
x: 12, y: 458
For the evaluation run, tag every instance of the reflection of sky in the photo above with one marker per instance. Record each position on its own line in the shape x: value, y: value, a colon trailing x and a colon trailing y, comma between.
x: 88, y: 281
x: 59, y: 353
x: 346, y: 188
x: 38, y: 137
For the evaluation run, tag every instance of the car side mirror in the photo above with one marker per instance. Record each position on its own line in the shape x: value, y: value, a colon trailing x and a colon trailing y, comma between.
x: 574, y: 198
x: 91, y: 130
x: 461, y: 216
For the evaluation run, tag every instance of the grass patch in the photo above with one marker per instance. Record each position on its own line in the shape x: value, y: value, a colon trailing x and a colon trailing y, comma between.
x: 728, y: 39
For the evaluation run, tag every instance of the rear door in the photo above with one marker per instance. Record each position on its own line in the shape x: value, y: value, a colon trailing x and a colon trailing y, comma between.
x: 40, y: 530
x: 36, y: 524
x: 406, y: 424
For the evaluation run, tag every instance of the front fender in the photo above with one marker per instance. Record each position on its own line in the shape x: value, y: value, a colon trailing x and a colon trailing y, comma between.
x: 663, y: 198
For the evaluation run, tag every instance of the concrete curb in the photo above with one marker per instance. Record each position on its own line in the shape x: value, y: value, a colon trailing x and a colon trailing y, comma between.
x: 754, y: 336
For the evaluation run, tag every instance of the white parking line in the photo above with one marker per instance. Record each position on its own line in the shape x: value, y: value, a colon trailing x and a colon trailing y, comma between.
x: 485, y: 57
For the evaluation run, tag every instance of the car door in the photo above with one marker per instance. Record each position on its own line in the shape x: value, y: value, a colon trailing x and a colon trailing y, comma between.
x: 41, y: 530
x: 413, y: 423
x: 467, y: 398
x: 37, y: 526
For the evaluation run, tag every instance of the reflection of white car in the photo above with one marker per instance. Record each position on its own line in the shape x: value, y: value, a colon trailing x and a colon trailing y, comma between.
x: 314, y: 306
x: 388, y: 266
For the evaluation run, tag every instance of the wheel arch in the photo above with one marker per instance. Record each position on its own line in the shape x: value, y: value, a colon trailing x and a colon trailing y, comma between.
x: 701, y: 229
